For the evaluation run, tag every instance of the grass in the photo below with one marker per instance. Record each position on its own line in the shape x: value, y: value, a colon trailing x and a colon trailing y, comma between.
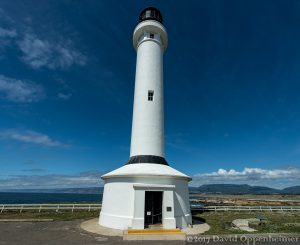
x: 61, y: 215
x: 276, y: 222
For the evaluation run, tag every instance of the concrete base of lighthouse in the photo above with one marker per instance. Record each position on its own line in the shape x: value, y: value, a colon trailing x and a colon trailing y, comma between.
x: 134, y: 192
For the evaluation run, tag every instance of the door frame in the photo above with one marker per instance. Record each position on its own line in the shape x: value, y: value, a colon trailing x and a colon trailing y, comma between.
x: 153, y: 196
x: 168, y: 219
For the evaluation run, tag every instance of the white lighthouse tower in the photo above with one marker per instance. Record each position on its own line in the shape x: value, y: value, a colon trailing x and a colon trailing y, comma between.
x: 147, y: 190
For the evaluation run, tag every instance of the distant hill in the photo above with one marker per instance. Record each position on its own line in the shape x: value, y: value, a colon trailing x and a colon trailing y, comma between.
x: 294, y: 190
x: 231, y: 189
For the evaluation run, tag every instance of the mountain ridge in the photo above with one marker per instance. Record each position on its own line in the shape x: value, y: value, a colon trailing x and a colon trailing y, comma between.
x: 229, y: 189
x: 244, y: 189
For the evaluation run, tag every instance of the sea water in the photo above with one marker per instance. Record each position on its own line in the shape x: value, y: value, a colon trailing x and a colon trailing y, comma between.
x: 30, y: 198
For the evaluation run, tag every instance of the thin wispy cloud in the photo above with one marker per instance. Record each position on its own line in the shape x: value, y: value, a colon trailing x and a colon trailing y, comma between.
x: 30, y: 162
x: 64, y: 96
x: 84, y: 179
x: 65, y: 92
x: 29, y: 136
x: 7, y: 33
x: 179, y: 141
x: 40, y: 50
x: 4, y: 17
x: 34, y: 170
x: 38, y: 53
x: 272, y: 178
x: 17, y: 90
x: 254, y: 176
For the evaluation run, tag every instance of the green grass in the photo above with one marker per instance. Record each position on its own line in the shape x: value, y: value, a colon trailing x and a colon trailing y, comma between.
x: 276, y: 222
x: 61, y: 215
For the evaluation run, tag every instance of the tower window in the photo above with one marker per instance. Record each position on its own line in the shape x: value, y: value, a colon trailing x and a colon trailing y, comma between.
x: 150, y: 95
x: 151, y: 35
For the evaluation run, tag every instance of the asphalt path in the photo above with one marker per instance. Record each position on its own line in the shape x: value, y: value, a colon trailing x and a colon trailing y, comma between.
x: 69, y: 232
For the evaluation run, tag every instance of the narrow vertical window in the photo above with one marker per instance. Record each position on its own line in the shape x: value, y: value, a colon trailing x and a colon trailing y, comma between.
x: 151, y: 35
x: 150, y: 95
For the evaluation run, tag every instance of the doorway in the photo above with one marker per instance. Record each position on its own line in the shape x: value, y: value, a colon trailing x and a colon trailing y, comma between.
x: 153, y: 208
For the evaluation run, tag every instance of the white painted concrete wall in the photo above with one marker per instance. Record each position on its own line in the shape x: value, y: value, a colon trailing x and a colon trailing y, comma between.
x: 117, y: 205
x: 147, y: 137
x: 168, y: 220
x: 182, y: 210
x: 138, y: 215
x: 123, y: 204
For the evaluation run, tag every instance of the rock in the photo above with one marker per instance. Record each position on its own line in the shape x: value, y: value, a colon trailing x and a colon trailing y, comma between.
x: 243, y: 224
x: 254, y: 221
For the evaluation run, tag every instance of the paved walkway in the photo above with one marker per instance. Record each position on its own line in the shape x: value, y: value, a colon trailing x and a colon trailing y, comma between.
x: 70, y: 233
x: 58, y: 233
x: 93, y: 226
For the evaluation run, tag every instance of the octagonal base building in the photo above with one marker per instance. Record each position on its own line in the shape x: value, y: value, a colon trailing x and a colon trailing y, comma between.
x: 146, y: 190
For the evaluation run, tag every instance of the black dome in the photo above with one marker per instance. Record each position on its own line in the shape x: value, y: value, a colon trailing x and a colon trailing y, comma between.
x: 151, y: 13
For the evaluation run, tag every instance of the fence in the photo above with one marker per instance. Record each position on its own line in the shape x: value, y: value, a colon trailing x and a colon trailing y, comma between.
x: 90, y: 207
x: 247, y: 208
x: 48, y: 207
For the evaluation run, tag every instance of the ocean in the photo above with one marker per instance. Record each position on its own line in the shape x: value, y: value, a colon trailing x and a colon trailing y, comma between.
x: 30, y: 198
x: 42, y: 198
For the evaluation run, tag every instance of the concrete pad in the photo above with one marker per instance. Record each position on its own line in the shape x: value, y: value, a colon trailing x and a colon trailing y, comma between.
x: 151, y: 235
x: 196, y: 229
x: 93, y: 226
x: 247, y: 229
x: 242, y: 224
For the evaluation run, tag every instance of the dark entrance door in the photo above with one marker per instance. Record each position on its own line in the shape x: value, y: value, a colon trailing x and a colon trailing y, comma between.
x: 153, y: 207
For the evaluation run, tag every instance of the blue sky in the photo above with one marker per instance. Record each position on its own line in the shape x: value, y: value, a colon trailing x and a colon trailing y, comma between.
x: 231, y: 90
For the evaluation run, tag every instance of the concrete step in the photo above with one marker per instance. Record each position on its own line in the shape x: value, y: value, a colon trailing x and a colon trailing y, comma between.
x: 154, y: 234
x: 155, y: 231
x: 156, y: 226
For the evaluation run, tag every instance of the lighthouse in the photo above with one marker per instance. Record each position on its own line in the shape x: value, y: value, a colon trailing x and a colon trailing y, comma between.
x: 146, y: 190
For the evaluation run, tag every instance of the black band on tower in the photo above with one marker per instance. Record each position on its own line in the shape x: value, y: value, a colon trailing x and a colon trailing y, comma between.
x: 147, y: 159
